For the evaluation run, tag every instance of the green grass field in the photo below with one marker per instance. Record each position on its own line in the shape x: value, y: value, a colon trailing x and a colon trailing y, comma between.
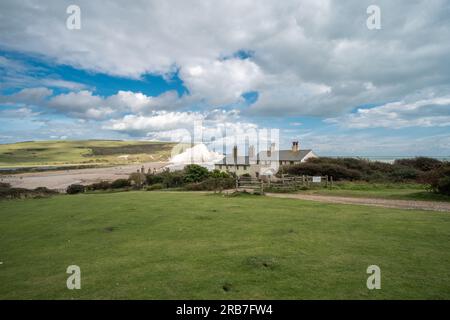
x: 399, y: 191
x: 41, y: 153
x: 179, y: 245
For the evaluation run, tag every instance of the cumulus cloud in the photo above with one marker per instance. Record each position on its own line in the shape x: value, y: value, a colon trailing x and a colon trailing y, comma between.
x: 160, y: 121
x: 181, y: 126
x: 221, y: 81
x: 85, y: 104
x: 18, y: 113
x: 433, y: 112
x: 30, y: 96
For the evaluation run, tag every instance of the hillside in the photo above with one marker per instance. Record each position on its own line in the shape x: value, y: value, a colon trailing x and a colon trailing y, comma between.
x: 82, y: 152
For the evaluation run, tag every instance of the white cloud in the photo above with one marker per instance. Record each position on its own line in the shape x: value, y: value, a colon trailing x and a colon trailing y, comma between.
x: 160, y: 121
x: 325, y: 58
x: 82, y: 104
x: 179, y: 126
x: 432, y: 112
x: 32, y: 96
x: 18, y: 113
x: 141, y: 103
x: 222, y: 81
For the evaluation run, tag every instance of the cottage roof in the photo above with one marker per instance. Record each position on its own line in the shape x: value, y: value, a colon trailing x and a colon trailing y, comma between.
x: 284, y: 155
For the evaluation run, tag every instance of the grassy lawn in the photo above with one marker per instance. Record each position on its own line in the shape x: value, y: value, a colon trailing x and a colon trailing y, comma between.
x: 178, y: 245
x: 38, y: 153
x: 400, y: 191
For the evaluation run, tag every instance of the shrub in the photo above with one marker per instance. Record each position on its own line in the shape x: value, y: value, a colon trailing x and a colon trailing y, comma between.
x: 120, y: 183
x: 44, y: 190
x: 402, y: 173
x: 439, y: 180
x: 338, y: 172
x: 219, y: 174
x: 75, y: 188
x: 156, y: 186
x: 5, y: 185
x: 102, y: 185
x: 153, y: 178
x: 420, y: 163
x: 137, y: 178
x: 195, y: 173
x: 173, y: 179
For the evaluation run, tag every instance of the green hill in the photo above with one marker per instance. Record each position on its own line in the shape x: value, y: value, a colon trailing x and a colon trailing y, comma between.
x: 82, y: 152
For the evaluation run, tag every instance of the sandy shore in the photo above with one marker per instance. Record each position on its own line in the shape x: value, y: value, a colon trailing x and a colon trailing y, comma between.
x: 61, y: 179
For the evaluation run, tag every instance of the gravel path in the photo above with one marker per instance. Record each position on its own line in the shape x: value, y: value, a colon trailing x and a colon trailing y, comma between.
x: 399, y: 204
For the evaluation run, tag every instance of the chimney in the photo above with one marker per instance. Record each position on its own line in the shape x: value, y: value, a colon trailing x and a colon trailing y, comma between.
x: 295, y: 147
x: 246, y: 155
x: 251, y: 151
x: 271, y: 149
x: 235, y: 154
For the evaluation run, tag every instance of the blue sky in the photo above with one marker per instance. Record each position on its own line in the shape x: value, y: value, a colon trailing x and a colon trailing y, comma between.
x: 311, y: 69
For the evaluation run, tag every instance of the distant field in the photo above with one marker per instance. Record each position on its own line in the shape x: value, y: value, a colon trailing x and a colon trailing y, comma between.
x: 86, y: 152
x: 400, y: 191
x: 169, y: 245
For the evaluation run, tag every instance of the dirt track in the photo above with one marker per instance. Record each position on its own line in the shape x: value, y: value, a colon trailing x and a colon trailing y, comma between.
x: 399, y: 204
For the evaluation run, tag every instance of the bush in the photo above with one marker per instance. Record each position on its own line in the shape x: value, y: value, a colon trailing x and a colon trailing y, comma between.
x: 137, y: 178
x: 102, y: 185
x: 439, y: 180
x: 4, y: 185
x: 75, y: 188
x: 195, y: 173
x: 156, y: 186
x: 219, y: 174
x: 338, y: 172
x: 6, y: 192
x: 420, y: 163
x: 173, y: 179
x: 402, y: 173
x: 120, y: 183
x: 153, y: 179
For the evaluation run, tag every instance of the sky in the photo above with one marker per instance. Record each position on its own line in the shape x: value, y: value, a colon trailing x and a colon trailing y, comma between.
x: 149, y: 70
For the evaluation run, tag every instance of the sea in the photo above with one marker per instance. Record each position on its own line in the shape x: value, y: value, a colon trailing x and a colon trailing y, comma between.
x: 390, y: 159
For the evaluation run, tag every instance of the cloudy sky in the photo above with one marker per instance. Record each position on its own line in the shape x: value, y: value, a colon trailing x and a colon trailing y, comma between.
x: 151, y: 69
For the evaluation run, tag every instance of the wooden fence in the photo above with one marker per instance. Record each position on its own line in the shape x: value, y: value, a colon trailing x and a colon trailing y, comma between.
x: 285, y: 183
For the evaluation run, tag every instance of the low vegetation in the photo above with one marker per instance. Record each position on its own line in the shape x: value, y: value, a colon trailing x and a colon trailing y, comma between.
x: 184, y: 245
x: 429, y: 172
x: 192, y: 177
x: 7, y: 192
